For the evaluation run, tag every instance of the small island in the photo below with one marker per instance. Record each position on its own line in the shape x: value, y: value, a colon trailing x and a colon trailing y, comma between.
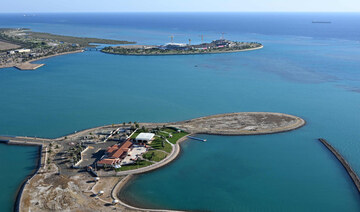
x: 19, y: 47
x: 216, y: 46
x: 87, y: 169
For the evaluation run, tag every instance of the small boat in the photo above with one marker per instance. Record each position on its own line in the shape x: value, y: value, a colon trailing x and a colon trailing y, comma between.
x: 321, y: 22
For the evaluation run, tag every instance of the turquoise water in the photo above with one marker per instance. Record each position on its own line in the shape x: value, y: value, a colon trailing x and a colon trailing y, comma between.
x: 267, y: 173
x: 305, y: 70
x: 16, y: 162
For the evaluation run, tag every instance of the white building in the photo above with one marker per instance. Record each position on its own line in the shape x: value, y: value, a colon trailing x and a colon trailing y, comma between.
x: 23, y: 51
x: 144, y: 137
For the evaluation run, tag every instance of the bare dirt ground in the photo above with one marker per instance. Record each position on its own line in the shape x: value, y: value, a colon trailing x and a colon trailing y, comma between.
x: 7, y: 46
x: 52, y: 192
x: 245, y: 123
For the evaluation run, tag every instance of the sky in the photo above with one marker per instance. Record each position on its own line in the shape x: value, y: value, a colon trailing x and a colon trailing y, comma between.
x: 33, y: 6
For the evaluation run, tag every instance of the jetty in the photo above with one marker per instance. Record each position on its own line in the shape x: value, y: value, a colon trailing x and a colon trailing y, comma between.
x: 28, y: 66
x: 343, y: 162
x: 195, y: 138
x: 21, y: 140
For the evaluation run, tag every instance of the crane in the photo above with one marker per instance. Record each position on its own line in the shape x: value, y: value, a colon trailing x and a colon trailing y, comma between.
x: 202, y: 38
x: 222, y: 35
x: 172, y: 38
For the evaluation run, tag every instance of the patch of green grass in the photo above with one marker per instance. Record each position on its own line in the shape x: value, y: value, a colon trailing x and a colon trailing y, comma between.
x: 162, y: 134
x: 177, y: 136
x: 155, y: 155
x: 157, y: 143
x: 135, y: 134
x: 138, y: 164
x: 169, y: 130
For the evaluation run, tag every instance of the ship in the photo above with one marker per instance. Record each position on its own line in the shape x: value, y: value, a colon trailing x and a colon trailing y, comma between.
x: 321, y: 22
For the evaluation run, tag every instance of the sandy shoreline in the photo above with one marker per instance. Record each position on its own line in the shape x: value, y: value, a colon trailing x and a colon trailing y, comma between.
x: 19, y: 65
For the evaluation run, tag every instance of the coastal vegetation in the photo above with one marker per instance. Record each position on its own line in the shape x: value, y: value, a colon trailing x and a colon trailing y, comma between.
x: 75, y: 153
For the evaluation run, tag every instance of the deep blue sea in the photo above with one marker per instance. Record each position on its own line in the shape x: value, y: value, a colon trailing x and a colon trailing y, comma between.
x: 305, y: 69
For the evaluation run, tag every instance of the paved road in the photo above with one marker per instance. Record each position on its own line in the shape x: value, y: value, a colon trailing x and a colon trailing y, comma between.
x: 173, y: 154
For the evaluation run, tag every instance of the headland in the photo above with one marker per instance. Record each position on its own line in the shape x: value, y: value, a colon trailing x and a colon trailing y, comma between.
x: 20, y: 47
x: 214, y: 47
x: 87, y: 169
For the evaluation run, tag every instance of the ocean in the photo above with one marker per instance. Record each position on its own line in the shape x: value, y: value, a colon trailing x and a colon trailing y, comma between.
x: 305, y: 69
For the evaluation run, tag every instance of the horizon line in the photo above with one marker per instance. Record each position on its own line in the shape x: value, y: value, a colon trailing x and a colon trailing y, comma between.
x: 181, y: 12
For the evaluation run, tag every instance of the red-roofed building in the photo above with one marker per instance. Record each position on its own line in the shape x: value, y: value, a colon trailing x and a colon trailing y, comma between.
x: 115, y: 154
x: 108, y: 162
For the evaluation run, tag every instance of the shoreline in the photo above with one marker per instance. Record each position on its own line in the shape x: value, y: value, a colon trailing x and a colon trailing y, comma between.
x: 200, y: 53
x: 36, y: 59
x: 291, y: 123
x: 121, y: 185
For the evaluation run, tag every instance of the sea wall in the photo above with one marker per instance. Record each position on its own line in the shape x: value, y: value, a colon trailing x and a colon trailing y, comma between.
x: 343, y: 162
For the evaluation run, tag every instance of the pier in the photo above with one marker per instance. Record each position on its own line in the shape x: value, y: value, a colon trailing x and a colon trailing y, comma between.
x: 343, y: 162
x: 195, y: 138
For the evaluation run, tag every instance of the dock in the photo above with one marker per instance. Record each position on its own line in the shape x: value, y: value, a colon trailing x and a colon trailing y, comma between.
x: 343, y: 162
x: 195, y: 138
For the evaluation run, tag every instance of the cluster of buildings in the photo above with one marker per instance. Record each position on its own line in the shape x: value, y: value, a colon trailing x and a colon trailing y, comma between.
x: 19, y: 51
x: 222, y: 43
x: 127, y: 152
x: 22, y: 55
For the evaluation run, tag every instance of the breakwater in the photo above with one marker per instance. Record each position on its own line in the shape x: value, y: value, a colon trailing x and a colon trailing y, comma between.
x: 343, y: 162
